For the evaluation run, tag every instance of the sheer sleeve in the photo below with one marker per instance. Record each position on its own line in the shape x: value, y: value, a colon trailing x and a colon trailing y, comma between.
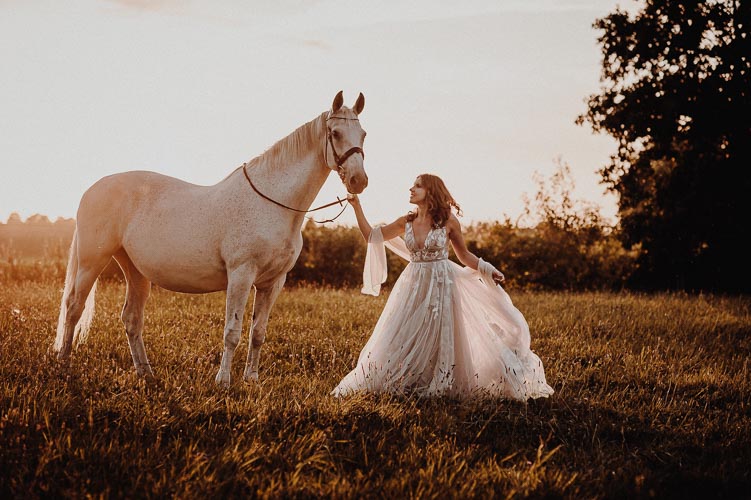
x: 376, y: 268
x: 375, y: 271
x: 486, y: 273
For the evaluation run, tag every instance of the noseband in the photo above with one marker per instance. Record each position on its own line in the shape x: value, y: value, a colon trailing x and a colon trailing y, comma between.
x: 340, y: 159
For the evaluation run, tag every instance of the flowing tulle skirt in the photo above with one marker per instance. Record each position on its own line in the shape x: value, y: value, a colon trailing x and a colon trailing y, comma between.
x: 445, y: 331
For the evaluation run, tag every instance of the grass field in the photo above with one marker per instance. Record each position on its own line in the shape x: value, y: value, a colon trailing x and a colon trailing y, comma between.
x: 653, y: 399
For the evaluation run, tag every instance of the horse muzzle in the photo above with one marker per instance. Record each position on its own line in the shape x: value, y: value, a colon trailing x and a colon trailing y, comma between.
x: 356, y: 183
x: 351, y: 171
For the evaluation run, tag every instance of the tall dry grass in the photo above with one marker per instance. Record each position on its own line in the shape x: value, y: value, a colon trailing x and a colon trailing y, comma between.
x: 652, y: 399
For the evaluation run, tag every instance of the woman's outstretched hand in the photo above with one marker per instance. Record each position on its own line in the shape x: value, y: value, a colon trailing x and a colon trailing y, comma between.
x: 353, y: 200
x: 498, y: 277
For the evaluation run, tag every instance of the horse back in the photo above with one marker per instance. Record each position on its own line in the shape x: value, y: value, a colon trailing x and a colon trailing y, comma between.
x: 155, y: 218
x: 112, y: 202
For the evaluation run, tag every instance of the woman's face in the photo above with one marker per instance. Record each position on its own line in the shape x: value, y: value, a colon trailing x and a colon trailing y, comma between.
x: 417, y: 192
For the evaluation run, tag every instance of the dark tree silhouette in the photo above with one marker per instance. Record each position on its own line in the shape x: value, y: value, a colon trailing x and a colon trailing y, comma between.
x: 676, y: 78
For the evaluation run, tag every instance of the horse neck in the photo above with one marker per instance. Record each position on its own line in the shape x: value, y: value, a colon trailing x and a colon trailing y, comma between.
x: 293, y: 170
x: 294, y: 167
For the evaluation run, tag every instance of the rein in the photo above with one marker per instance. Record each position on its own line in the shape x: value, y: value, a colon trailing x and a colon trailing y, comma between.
x: 337, y: 202
x: 339, y: 162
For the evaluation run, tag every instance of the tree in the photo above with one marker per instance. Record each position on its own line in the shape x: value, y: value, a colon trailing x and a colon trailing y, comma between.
x: 569, y: 245
x: 14, y: 219
x: 38, y: 220
x: 676, y: 78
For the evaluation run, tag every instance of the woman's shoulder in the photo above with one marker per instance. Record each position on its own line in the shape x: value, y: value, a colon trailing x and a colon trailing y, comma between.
x: 393, y: 229
x: 453, y: 220
x: 452, y: 224
x: 400, y: 222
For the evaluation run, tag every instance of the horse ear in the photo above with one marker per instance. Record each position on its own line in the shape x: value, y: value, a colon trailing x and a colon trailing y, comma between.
x: 338, y: 101
x: 359, y: 104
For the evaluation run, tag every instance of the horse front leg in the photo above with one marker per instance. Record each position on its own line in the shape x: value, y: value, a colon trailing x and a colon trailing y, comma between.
x: 265, y: 298
x: 240, y: 281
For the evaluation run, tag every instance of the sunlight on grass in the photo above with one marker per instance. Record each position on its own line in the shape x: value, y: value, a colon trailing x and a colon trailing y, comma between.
x: 652, y: 397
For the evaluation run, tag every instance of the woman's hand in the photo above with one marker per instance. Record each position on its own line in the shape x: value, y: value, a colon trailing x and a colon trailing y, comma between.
x: 353, y: 200
x: 498, y: 277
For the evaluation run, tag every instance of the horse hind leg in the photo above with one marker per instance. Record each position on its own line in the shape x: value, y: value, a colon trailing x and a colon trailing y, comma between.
x: 85, y: 273
x: 137, y: 292
x: 265, y: 298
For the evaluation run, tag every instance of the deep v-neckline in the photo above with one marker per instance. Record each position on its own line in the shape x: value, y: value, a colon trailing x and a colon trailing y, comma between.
x: 414, y: 237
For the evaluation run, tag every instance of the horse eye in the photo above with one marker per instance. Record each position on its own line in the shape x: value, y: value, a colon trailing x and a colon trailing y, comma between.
x: 335, y: 134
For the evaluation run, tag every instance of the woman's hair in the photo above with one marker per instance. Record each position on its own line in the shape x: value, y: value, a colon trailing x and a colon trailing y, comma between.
x: 439, y: 200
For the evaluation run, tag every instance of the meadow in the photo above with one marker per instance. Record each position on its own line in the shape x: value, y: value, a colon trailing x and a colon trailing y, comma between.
x: 653, y: 399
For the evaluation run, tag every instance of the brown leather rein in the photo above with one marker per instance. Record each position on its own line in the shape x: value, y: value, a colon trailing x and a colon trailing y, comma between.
x: 339, y: 162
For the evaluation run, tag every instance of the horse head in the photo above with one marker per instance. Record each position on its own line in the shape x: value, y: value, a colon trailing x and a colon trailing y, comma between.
x: 344, y: 139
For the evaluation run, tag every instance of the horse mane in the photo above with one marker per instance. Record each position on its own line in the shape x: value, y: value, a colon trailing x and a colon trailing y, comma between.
x: 299, y: 142
x: 290, y: 148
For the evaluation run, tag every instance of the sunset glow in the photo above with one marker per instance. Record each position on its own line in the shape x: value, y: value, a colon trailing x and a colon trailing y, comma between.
x: 481, y: 93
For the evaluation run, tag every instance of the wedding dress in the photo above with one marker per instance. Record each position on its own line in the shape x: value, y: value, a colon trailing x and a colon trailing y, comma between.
x: 445, y: 329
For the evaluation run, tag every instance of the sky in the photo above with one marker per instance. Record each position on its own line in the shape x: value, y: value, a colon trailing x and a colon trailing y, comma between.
x: 481, y: 93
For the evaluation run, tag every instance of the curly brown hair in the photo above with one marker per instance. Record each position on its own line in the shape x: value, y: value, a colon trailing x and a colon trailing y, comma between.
x: 439, y: 200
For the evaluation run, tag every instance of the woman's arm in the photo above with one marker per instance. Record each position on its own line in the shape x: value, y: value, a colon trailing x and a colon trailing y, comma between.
x: 362, y: 222
x: 388, y: 231
x: 460, y: 248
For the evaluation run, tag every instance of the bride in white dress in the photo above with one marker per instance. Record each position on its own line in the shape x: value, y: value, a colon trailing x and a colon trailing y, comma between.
x: 445, y: 329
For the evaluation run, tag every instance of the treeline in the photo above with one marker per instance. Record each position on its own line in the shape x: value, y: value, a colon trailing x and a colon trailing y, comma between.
x: 569, y: 247
x: 34, y: 239
x: 36, y: 249
x: 543, y: 257
x: 547, y: 256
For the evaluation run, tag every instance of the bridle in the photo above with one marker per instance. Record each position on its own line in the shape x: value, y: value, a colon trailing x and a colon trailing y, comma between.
x: 339, y: 159
x: 339, y: 162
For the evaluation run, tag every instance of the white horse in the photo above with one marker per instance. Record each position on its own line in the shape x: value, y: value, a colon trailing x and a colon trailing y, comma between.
x: 200, y: 239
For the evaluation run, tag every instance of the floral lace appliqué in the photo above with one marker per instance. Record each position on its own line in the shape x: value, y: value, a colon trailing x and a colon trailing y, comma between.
x: 435, y: 247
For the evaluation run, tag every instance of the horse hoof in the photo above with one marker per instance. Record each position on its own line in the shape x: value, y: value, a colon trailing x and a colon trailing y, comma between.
x: 145, y: 371
x: 63, y: 360
x: 251, y: 377
x: 221, y: 380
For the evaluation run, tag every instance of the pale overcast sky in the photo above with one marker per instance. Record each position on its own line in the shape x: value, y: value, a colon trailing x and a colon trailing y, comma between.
x: 482, y: 93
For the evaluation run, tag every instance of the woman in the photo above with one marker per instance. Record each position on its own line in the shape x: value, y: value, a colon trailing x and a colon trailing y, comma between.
x: 445, y: 329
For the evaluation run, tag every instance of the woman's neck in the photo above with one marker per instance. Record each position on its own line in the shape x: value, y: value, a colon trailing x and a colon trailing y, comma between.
x: 423, y: 216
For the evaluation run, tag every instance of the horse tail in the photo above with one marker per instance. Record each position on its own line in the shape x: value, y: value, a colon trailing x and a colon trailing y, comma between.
x: 81, y: 331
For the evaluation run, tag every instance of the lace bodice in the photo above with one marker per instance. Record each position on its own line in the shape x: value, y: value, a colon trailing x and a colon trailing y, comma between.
x: 435, y: 246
